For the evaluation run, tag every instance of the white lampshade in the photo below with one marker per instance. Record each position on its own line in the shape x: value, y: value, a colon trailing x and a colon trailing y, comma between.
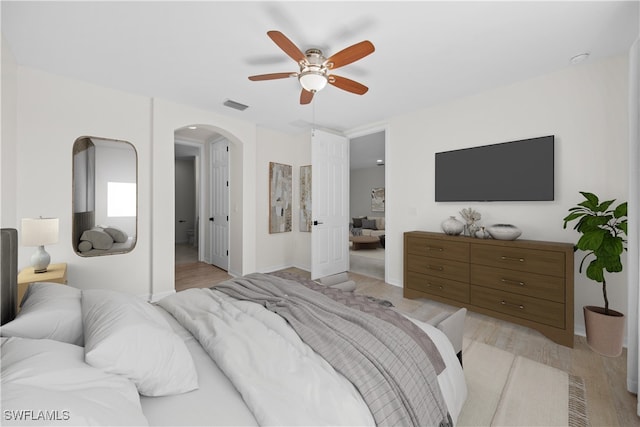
x: 313, y: 81
x: 39, y: 231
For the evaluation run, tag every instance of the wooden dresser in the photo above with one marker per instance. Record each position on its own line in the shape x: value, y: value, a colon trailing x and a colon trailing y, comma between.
x: 522, y: 281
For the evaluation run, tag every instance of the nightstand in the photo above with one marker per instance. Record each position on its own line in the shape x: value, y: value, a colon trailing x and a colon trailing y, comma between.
x: 56, y: 273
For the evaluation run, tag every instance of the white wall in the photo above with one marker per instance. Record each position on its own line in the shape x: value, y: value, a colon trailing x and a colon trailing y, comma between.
x: 185, y: 191
x: 633, y: 264
x: 52, y: 112
x: 280, y: 250
x: 167, y: 117
x: 8, y: 147
x: 585, y: 107
x: 361, y: 182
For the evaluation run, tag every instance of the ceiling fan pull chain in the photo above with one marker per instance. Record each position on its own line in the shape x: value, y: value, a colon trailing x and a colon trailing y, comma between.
x: 313, y: 119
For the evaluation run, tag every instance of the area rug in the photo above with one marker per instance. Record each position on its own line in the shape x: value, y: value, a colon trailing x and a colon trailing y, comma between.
x: 509, y: 390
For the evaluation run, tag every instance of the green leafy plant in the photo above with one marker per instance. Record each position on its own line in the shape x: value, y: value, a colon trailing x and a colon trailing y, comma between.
x: 604, y: 232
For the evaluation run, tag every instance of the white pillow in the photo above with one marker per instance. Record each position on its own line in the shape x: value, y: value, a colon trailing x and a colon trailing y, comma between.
x: 118, y: 235
x: 49, y: 310
x: 125, y: 335
x: 47, y: 382
x: 99, y: 238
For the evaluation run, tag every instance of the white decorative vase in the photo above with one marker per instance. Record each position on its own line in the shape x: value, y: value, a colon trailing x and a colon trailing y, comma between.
x: 452, y: 226
x: 504, y: 231
x: 482, y: 233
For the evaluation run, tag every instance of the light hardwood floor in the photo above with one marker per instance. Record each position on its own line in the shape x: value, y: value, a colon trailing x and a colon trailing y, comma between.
x: 608, y: 401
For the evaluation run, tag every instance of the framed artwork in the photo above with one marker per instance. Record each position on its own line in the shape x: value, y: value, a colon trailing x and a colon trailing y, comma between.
x: 377, y: 199
x: 280, y: 197
x: 305, y: 198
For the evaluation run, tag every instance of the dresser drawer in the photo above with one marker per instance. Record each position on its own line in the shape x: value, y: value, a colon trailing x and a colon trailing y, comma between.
x: 445, y: 288
x: 446, y: 269
x: 519, y: 282
x: 435, y: 248
x: 522, y: 306
x: 513, y: 258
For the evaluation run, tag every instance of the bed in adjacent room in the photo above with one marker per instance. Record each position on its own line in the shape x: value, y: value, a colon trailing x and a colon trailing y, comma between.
x: 257, y: 350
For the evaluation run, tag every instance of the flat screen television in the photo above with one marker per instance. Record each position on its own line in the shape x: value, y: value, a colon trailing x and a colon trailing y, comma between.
x: 510, y: 171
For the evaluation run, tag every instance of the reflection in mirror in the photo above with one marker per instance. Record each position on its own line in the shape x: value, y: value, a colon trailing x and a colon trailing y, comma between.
x: 104, y: 196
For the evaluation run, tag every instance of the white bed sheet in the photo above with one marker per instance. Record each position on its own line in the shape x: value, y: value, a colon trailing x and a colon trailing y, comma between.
x: 217, y: 402
x: 451, y: 380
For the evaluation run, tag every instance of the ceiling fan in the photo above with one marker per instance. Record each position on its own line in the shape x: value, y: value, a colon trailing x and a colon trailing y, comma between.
x: 314, y: 67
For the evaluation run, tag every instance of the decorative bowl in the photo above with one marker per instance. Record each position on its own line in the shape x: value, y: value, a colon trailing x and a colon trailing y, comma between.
x: 504, y: 231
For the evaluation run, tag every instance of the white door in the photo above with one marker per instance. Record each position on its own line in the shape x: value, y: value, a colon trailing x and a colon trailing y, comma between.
x: 219, y: 219
x: 330, y: 204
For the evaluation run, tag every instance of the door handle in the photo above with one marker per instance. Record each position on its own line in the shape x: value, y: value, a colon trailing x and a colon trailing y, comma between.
x: 316, y: 222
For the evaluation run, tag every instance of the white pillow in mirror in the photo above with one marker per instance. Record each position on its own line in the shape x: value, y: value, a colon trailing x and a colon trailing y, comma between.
x: 98, y: 237
x: 118, y: 235
x: 49, y: 310
x: 127, y: 336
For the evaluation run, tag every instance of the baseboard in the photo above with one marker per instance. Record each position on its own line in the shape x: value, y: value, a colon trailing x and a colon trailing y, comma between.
x: 274, y: 268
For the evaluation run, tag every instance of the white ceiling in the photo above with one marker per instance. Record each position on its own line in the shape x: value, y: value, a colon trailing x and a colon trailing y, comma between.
x: 201, y: 53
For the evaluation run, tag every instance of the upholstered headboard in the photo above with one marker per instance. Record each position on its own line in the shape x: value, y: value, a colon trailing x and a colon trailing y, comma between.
x: 9, y: 273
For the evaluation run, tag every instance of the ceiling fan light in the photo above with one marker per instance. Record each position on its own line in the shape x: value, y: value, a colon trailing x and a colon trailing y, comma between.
x: 313, y: 81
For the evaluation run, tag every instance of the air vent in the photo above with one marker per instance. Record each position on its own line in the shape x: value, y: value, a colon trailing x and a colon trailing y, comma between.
x: 235, y: 105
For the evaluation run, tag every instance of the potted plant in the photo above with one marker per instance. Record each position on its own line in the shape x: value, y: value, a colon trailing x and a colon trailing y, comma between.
x: 603, y: 232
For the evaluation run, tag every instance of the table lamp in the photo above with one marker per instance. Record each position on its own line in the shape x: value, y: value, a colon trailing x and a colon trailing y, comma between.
x: 39, y: 232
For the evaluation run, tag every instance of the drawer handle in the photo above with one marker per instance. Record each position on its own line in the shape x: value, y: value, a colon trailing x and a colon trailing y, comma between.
x: 512, y: 282
x: 520, y: 306
x: 429, y: 248
x: 435, y: 267
x: 508, y: 258
x: 438, y: 286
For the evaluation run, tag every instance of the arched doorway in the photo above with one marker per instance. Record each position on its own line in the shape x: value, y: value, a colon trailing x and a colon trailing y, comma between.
x: 216, y: 232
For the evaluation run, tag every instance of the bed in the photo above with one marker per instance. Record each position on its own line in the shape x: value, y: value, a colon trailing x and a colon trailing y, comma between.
x: 252, y: 351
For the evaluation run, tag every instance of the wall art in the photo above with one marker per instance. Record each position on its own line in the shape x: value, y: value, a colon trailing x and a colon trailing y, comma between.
x: 305, y: 198
x: 377, y: 199
x: 280, y: 197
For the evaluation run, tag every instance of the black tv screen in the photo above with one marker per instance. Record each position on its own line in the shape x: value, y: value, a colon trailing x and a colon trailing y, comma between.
x: 510, y: 171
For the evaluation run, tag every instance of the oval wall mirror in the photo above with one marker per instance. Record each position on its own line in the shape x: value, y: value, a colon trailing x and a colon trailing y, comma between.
x: 105, y: 196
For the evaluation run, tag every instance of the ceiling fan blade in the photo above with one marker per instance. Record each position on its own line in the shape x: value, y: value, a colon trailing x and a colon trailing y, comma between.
x: 271, y: 76
x: 305, y: 97
x: 287, y: 45
x: 350, y: 54
x: 348, y: 84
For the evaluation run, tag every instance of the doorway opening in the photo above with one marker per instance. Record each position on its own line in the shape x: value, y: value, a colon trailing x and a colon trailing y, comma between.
x: 367, y: 204
x: 188, y: 165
